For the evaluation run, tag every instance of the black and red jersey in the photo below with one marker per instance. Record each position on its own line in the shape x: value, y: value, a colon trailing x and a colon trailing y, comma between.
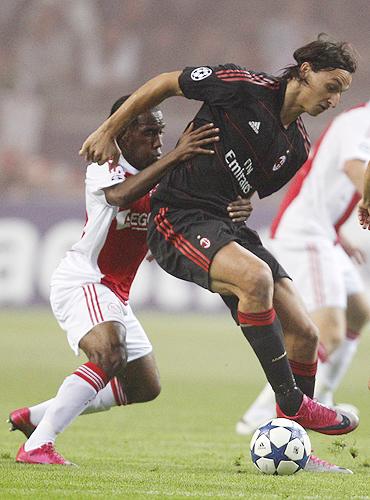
x: 255, y: 152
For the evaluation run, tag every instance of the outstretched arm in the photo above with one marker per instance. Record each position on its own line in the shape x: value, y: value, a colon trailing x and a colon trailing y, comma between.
x: 101, y: 145
x: 364, y: 205
x: 191, y: 143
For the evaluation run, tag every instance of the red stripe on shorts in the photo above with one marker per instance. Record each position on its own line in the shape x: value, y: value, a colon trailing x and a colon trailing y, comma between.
x: 177, y: 240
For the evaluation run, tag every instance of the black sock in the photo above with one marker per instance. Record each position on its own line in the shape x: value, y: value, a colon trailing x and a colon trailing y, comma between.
x: 305, y: 376
x: 263, y: 332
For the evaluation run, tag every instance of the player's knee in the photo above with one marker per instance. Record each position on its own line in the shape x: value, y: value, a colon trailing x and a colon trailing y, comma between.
x: 311, y: 334
x: 110, y: 353
x: 112, y: 360
x: 307, y: 334
x: 258, y: 282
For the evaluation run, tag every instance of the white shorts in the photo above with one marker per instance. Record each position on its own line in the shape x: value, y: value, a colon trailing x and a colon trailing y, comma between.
x: 321, y: 271
x: 79, y: 308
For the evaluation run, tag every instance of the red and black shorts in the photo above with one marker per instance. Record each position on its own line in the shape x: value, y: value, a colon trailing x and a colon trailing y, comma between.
x: 185, y: 241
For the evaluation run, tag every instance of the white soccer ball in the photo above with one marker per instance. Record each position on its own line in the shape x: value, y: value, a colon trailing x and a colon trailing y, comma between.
x: 280, y: 447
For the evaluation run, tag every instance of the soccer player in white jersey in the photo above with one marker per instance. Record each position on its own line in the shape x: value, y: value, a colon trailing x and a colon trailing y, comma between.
x: 90, y: 288
x: 306, y: 239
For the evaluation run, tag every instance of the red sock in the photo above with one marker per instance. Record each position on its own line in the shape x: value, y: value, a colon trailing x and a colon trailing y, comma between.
x: 118, y: 393
x: 93, y: 374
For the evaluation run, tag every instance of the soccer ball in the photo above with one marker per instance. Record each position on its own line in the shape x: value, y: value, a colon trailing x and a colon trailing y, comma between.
x: 280, y: 447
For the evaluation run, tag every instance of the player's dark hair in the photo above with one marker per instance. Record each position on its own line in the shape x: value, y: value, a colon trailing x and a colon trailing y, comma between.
x: 118, y: 104
x: 322, y: 54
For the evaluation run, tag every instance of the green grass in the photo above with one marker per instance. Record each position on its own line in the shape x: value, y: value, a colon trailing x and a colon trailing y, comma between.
x: 181, y: 445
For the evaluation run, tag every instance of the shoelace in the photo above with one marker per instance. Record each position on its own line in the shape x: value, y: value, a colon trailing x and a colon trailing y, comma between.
x: 319, y: 461
x: 49, y: 449
x: 325, y: 409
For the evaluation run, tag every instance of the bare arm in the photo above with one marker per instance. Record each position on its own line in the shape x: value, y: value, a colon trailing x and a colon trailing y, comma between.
x: 364, y: 204
x: 190, y: 144
x: 366, y: 191
x: 101, y: 146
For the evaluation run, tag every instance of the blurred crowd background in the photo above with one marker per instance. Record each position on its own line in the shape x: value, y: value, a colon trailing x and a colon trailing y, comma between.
x: 63, y: 63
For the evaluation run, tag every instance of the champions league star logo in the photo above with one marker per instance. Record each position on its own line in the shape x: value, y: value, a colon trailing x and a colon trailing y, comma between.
x: 200, y: 73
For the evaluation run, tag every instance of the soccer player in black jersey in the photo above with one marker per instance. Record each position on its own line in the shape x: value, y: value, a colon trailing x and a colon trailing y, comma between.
x: 263, y: 143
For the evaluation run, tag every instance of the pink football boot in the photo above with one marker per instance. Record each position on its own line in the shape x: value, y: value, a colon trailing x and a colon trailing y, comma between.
x: 316, y: 464
x: 45, y: 454
x: 320, y: 418
x: 19, y: 420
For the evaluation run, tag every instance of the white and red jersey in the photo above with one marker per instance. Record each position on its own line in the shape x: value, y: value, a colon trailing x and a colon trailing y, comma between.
x: 113, y: 243
x: 321, y: 197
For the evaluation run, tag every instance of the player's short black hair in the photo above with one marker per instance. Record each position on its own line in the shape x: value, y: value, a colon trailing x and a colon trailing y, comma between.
x: 118, y: 104
x: 323, y: 53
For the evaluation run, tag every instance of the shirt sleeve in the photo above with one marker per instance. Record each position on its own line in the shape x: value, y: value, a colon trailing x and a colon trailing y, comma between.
x: 99, y: 177
x: 215, y: 85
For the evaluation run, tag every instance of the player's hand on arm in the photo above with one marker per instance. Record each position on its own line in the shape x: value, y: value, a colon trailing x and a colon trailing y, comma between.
x: 240, y: 209
x: 363, y: 213
x: 353, y: 251
x: 194, y: 142
x: 101, y: 145
x: 191, y: 143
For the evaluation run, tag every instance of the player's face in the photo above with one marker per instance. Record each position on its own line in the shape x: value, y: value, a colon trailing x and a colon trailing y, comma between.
x: 142, y: 143
x: 323, y: 89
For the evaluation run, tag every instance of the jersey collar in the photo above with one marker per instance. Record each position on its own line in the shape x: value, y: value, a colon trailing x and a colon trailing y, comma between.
x: 127, y: 167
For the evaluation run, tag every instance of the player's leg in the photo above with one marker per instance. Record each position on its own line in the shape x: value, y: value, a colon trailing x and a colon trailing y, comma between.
x: 333, y: 370
x: 299, y: 331
x: 194, y: 246
x: 358, y: 319
x: 94, y: 325
x: 137, y: 382
x: 297, y: 326
x: 141, y: 380
x: 331, y: 322
x: 300, y: 334
x: 105, y: 348
x: 351, y: 297
x: 236, y: 270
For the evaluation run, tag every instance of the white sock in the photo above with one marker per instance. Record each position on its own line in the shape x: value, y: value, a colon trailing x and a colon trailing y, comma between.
x: 74, y: 394
x: 331, y: 372
x: 263, y: 408
x: 38, y: 411
x: 111, y: 395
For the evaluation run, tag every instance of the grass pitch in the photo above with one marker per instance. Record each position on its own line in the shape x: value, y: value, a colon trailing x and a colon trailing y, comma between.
x: 181, y: 445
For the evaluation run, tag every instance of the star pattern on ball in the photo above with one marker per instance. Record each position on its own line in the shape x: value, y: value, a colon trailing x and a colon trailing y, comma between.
x: 277, y: 454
